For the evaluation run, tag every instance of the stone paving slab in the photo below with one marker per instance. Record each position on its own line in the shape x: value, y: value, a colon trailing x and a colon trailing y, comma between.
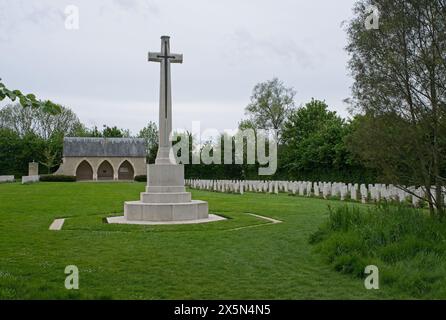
x: 57, y: 224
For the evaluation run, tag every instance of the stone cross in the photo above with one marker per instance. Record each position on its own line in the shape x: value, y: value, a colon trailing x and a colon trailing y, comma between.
x: 165, y: 58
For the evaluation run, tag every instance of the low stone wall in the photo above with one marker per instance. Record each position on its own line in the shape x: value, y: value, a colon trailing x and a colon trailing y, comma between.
x: 30, y: 179
x: 7, y: 179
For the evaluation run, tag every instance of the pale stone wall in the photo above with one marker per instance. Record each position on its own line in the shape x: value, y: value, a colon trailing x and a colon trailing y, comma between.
x: 6, y: 178
x: 70, y: 164
x: 33, y: 169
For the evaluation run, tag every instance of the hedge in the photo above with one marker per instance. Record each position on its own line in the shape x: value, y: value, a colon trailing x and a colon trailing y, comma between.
x: 141, y: 178
x: 57, y: 178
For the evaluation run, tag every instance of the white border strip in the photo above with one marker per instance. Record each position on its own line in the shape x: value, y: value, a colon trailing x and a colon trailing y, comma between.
x: 57, y: 225
x: 273, y: 221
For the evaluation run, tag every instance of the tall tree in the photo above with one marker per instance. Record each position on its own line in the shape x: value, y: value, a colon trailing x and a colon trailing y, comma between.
x: 114, y: 132
x: 314, y: 146
x: 271, y: 104
x: 45, y: 125
x: 16, y: 151
x: 151, y: 135
x: 400, y: 85
x: 106, y: 132
x: 50, y: 159
x: 36, y: 128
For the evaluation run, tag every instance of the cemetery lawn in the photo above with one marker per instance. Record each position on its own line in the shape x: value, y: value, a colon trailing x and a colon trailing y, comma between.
x: 243, y: 257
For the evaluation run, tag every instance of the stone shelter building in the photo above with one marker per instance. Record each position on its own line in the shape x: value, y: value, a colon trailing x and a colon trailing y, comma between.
x: 103, y: 158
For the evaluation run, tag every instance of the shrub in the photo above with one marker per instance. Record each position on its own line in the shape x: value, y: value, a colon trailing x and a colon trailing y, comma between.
x: 57, y: 178
x: 407, y: 246
x: 141, y: 178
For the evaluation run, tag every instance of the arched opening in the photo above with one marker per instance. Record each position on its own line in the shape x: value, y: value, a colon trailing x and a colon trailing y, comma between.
x: 125, y: 171
x: 84, y: 171
x: 105, y: 171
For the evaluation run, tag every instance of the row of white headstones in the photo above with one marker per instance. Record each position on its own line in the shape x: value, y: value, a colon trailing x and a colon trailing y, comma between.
x: 326, y: 190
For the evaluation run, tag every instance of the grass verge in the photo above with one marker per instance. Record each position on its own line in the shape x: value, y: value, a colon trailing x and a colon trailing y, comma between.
x: 407, y: 246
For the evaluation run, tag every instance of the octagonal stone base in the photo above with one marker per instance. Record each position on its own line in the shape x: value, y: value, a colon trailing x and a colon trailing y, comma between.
x: 122, y: 220
x: 165, y: 198
x: 193, y: 210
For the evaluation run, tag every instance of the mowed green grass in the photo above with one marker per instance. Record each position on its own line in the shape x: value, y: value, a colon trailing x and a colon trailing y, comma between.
x: 241, y: 258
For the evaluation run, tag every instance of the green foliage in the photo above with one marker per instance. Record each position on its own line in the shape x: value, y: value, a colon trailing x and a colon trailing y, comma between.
x: 151, y: 135
x: 106, y: 132
x: 9, y: 150
x: 28, y: 120
x: 50, y: 159
x: 319, y: 155
x: 28, y: 100
x: 141, y: 178
x: 314, y: 147
x: 16, y: 152
x: 390, y: 237
x: 57, y: 178
x: 399, y: 89
x: 271, y: 104
x: 216, y: 171
x: 114, y: 132
x: 33, y: 135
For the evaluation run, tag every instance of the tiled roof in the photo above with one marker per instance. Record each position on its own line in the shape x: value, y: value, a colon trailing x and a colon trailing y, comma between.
x: 104, y: 147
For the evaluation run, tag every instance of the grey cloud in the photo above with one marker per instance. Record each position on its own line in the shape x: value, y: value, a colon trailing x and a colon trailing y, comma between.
x: 101, y: 71
x: 268, y: 49
x: 140, y: 7
x: 17, y: 14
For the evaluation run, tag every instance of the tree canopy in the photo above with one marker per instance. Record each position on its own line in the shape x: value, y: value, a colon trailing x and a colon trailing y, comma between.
x: 400, y: 86
x: 271, y: 104
x: 314, y: 145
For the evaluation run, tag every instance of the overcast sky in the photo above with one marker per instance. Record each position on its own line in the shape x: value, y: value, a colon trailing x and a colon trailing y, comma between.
x: 101, y: 70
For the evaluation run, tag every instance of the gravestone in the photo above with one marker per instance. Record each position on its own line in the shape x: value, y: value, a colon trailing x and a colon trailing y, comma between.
x: 301, y: 188
x: 309, y: 187
x: 294, y: 187
x: 316, y: 189
x: 364, y: 193
x: 354, y: 192
x: 343, y: 190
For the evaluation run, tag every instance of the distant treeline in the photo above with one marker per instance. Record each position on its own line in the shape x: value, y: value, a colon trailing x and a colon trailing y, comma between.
x: 312, y: 145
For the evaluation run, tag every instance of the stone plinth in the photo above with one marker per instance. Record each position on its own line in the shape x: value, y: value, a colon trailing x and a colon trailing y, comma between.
x: 30, y: 179
x: 165, y: 198
x: 161, y: 176
x: 193, y: 210
x: 33, y: 169
x: 6, y: 178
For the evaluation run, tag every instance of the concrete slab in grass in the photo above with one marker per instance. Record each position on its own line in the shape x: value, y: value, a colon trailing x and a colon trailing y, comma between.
x: 57, y: 225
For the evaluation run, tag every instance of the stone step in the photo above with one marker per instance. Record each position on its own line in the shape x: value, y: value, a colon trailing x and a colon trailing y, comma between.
x: 171, y: 197
x: 165, y: 189
x: 137, y: 210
